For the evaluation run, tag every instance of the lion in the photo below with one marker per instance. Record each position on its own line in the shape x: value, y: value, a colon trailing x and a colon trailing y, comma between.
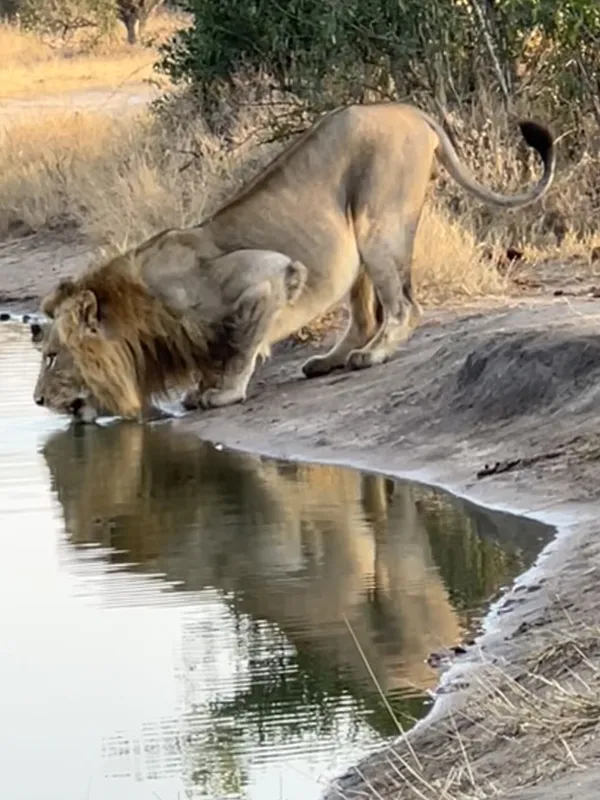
x: 333, y: 216
x: 116, y: 338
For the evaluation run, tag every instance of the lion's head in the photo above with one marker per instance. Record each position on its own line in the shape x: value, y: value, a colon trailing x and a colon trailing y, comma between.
x: 60, y: 386
x: 113, y: 345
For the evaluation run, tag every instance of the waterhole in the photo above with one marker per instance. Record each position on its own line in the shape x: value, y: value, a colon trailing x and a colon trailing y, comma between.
x: 172, y: 615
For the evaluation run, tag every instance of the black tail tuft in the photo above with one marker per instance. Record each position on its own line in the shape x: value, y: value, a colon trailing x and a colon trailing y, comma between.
x: 539, y: 138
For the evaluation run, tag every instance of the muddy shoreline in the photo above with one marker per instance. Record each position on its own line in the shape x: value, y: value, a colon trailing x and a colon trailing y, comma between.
x: 512, y: 386
x: 515, y: 387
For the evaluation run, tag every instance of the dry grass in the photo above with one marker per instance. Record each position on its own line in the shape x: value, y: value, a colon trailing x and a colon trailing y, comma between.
x: 449, y: 263
x: 112, y: 179
x: 551, y: 712
x: 31, y: 67
x: 116, y: 181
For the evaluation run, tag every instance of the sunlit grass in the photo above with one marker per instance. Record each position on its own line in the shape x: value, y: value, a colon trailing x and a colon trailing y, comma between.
x: 31, y: 67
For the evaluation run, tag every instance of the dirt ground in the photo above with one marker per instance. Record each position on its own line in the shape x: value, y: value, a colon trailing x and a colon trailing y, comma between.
x: 107, y: 100
x: 496, y: 402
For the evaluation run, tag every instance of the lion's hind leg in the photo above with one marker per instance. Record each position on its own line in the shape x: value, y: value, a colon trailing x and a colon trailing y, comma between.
x: 388, y: 262
x: 362, y: 326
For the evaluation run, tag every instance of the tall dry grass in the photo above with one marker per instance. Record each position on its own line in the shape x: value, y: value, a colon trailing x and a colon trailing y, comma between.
x: 116, y: 181
x: 511, y: 732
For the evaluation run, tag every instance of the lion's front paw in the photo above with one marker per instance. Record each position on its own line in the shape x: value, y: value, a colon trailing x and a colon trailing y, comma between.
x: 217, y: 398
x: 192, y: 399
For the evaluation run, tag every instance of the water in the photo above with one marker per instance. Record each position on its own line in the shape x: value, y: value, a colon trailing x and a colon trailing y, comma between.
x: 172, y: 615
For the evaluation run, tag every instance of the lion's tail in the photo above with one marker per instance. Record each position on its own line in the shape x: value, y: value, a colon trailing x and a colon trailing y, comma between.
x: 537, y: 137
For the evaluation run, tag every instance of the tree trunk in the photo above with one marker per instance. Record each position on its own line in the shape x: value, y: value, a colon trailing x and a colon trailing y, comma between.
x: 131, y: 24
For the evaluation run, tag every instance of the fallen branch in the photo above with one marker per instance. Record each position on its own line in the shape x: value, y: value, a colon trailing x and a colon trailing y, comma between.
x: 516, y: 463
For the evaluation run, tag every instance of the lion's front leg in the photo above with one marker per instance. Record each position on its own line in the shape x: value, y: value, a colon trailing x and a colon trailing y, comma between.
x: 247, y: 326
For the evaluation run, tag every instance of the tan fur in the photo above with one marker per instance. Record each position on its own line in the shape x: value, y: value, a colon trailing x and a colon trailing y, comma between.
x: 334, y: 215
x: 131, y: 349
x: 118, y: 341
x: 60, y: 385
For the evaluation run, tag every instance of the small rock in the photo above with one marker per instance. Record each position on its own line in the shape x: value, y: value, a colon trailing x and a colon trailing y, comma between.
x: 437, y: 660
x: 534, y: 587
x: 4, y: 316
x: 523, y: 628
x: 445, y: 656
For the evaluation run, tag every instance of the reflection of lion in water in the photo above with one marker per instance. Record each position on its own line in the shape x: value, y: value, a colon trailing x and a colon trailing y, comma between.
x: 298, y: 545
x: 335, y: 214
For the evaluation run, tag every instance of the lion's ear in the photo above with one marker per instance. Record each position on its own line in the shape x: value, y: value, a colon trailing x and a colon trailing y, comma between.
x: 87, y: 306
x: 53, y: 299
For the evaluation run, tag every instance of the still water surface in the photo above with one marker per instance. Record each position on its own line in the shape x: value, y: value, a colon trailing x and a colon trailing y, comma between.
x: 172, y: 615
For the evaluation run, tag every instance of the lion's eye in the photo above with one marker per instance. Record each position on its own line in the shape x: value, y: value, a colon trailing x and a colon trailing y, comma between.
x: 50, y: 359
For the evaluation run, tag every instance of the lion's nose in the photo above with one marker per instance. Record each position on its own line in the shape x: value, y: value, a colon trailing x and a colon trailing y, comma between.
x: 39, y: 399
